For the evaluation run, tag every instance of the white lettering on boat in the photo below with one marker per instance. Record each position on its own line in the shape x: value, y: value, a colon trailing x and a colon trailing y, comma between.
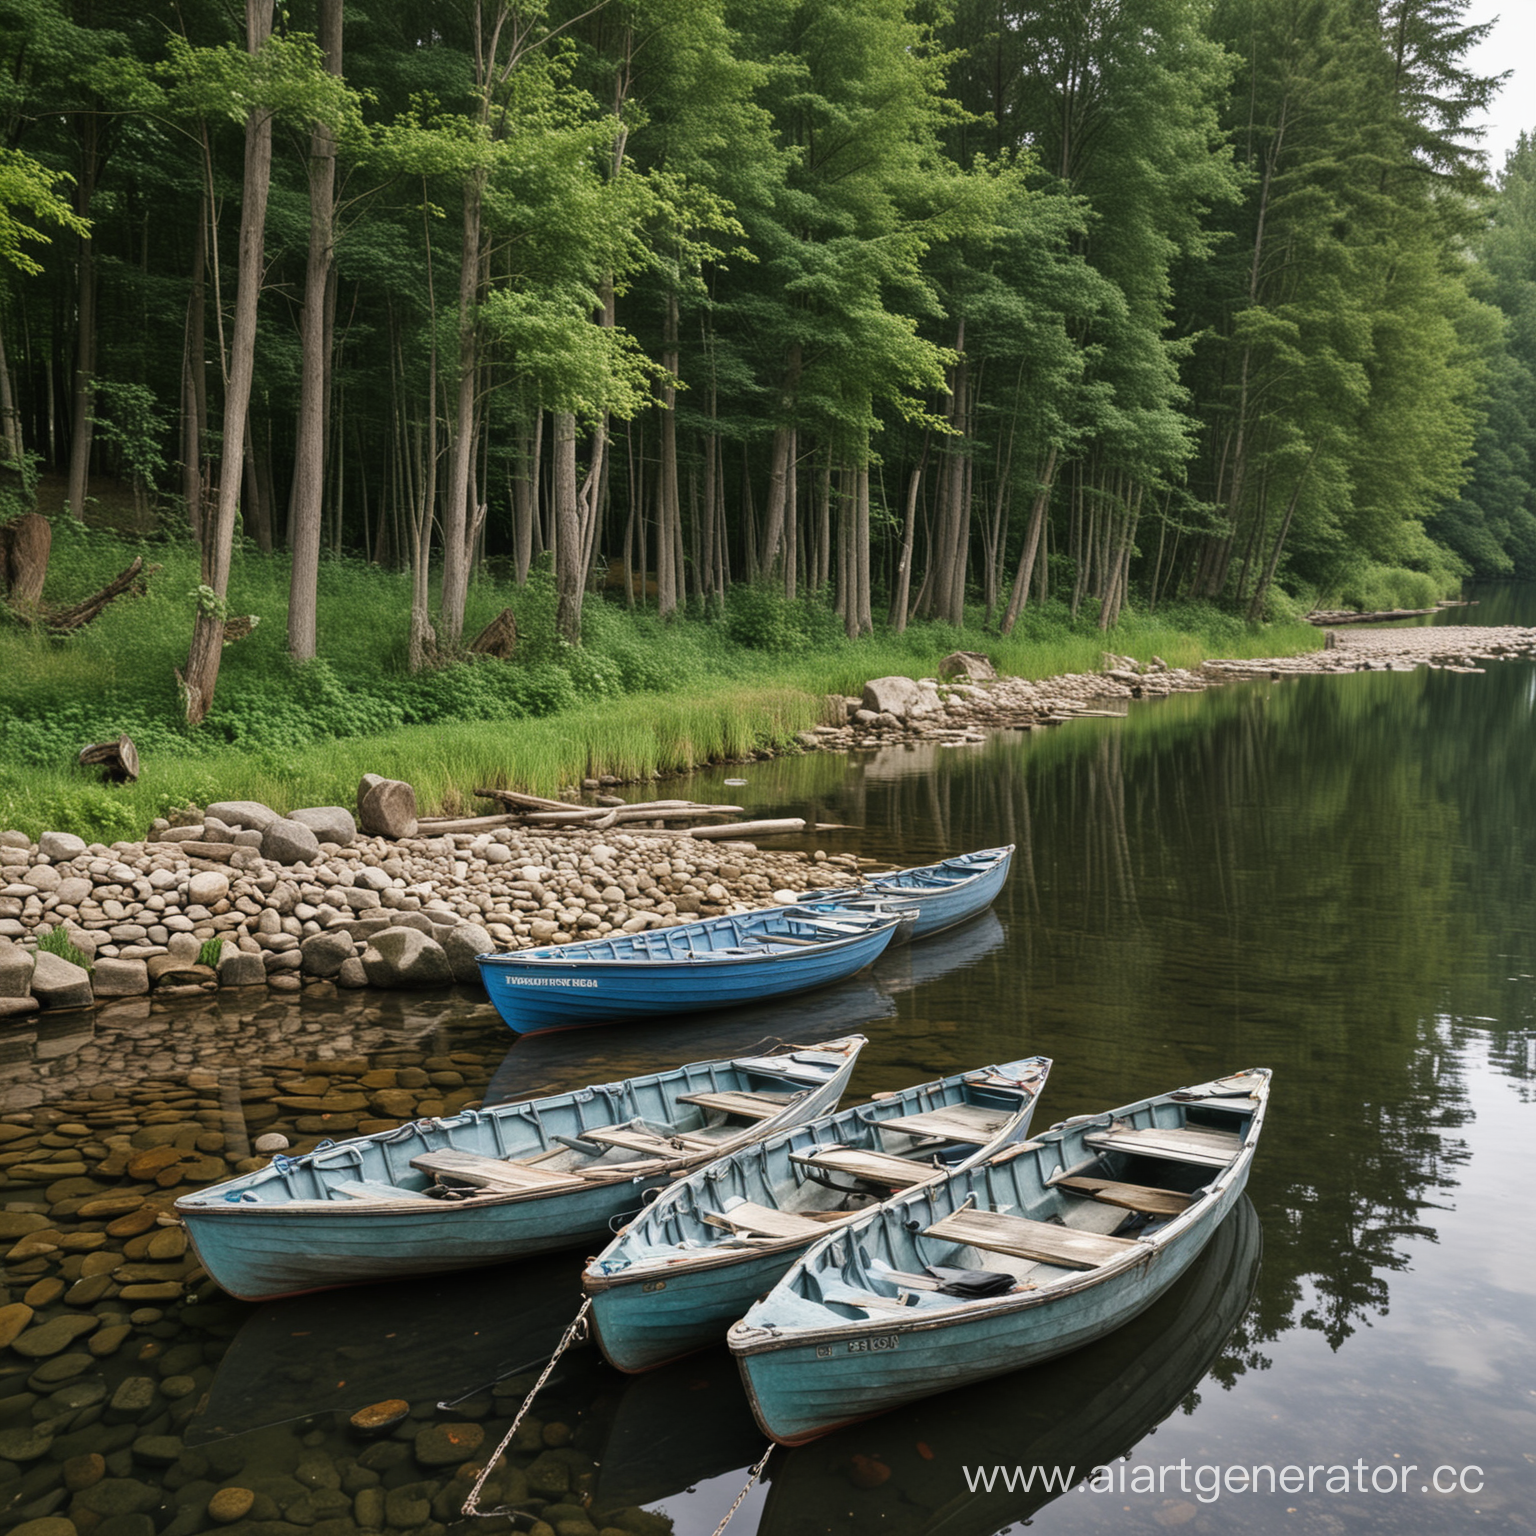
x: 548, y: 981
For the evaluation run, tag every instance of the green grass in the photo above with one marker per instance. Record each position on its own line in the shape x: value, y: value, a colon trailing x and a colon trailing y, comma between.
x: 639, y: 698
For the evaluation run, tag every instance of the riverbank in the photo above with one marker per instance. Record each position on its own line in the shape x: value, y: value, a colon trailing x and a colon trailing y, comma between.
x: 211, y: 901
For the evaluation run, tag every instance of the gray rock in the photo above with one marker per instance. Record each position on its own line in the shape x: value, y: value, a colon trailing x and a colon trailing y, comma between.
x: 892, y: 695
x: 352, y: 975
x: 57, y: 983
x: 404, y: 957
x: 238, y: 969
x: 72, y: 891
x: 17, y: 1007
x: 119, y: 978
x: 206, y: 887
x: 386, y: 807
x: 971, y: 666
x: 43, y: 877
x: 330, y: 823
x: 325, y: 953
x: 461, y: 946
x: 15, y: 970
x: 289, y: 842
x: 13, y: 839
x: 249, y: 815
x: 60, y: 846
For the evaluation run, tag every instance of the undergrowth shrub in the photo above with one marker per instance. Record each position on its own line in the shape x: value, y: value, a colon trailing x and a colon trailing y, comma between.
x: 57, y: 942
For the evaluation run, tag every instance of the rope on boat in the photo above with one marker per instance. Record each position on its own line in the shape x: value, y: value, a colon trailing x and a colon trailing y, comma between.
x: 756, y: 1473
x: 575, y: 1334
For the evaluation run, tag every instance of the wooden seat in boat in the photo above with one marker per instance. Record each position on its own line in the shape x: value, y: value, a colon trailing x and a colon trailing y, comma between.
x: 1039, y: 1240
x: 1130, y: 1197
x: 368, y: 1189
x: 634, y: 1139
x: 753, y: 1106
x: 1178, y: 1144
x: 955, y: 1122
x: 764, y: 1221
x: 492, y: 1172
x: 875, y: 1167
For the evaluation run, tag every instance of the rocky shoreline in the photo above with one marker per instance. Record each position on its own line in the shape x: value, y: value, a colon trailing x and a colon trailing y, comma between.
x: 238, y: 896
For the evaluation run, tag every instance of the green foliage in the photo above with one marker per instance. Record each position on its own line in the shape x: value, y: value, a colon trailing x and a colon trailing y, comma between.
x: 31, y: 189
x: 761, y: 618
x: 55, y: 941
x: 208, y: 954
x: 1378, y: 588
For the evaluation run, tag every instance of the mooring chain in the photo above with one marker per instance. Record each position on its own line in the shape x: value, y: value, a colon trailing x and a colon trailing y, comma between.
x: 575, y: 1334
x: 756, y: 1473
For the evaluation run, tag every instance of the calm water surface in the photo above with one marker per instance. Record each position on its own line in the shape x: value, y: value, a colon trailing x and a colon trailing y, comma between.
x: 1332, y: 877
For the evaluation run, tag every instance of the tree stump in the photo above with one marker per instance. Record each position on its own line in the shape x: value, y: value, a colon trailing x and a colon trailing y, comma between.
x: 118, y: 760
x: 498, y: 638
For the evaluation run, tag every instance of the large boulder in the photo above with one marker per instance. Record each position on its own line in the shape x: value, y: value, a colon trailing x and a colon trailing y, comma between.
x: 58, y: 983
x: 405, y: 957
x: 461, y: 945
x: 325, y: 953
x: 289, y: 842
x: 386, y: 807
x: 15, y: 970
x: 119, y: 978
x: 238, y: 969
x: 330, y: 823
x: 967, y: 666
x: 60, y: 846
x: 245, y: 815
x: 897, y: 696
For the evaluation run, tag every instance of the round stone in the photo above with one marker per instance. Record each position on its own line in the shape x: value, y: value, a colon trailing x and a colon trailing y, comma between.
x: 230, y: 1504
x: 445, y: 1445
x: 377, y: 1417
x: 273, y: 1141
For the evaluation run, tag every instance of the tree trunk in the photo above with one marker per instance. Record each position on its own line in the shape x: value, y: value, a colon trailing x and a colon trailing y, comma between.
x: 456, y: 515
x: 202, y: 670
x: 570, y: 574
x: 10, y: 422
x: 315, y: 345
x: 83, y: 387
x: 668, y: 513
x: 194, y: 418
x: 1031, y: 544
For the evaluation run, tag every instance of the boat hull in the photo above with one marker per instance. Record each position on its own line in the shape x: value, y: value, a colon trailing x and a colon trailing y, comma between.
x: 298, y: 1225
x: 651, y: 1305
x: 800, y: 1392
x: 939, y: 909
x: 532, y: 993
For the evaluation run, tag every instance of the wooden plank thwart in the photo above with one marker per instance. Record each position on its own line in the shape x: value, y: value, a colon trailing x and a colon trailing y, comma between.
x: 1207, y: 1149
x: 1130, y: 1197
x: 764, y: 1221
x: 876, y: 1167
x: 633, y: 1140
x: 1025, y: 1239
x: 492, y: 1172
x: 754, y: 1106
x: 955, y: 1122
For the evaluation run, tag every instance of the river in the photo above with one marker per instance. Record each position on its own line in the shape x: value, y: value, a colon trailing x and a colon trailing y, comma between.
x: 1334, y: 877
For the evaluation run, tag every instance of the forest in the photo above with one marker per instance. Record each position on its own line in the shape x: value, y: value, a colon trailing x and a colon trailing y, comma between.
x: 903, y: 310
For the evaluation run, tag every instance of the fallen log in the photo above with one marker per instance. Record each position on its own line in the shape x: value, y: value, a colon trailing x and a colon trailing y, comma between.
x: 436, y: 826
x: 688, y: 813
x: 749, y: 829
x: 498, y: 638
x: 517, y: 800
x: 571, y: 816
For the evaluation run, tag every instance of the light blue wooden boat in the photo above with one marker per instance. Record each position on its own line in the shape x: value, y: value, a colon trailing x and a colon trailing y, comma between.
x: 687, y: 968
x: 499, y: 1183
x: 1081, y: 1411
x: 943, y: 894
x: 695, y: 1259
x: 887, y: 1310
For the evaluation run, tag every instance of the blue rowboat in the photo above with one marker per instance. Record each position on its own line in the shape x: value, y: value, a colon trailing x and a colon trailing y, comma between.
x: 1047, y: 1246
x: 1084, y: 1411
x: 499, y: 1183
x: 693, y: 966
x: 943, y: 894
x: 693, y: 1261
